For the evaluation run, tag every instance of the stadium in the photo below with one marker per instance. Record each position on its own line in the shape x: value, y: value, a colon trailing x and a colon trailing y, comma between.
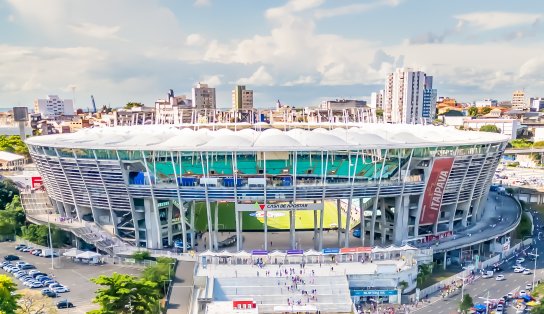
x: 158, y: 185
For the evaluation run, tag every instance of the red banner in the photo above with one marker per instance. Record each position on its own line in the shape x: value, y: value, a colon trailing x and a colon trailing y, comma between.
x: 432, y: 198
x: 36, y: 182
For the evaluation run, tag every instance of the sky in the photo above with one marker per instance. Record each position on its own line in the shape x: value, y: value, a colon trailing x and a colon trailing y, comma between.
x: 298, y: 51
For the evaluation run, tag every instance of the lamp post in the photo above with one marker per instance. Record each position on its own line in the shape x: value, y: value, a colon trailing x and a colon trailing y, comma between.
x: 535, y: 254
x: 50, y: 242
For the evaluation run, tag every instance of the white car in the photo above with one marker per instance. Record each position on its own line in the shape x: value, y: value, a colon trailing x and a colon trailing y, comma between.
x: 520, y: 260
x: 528, y: 286
x: 526, y: 272
x: 60, y: 289
x: 522, y: 293
x: 519, y: 269
x: 499, y: 277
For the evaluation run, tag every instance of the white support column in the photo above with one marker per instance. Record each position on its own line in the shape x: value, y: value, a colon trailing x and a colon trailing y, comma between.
x: 70, y: 187
x: 216, y: 222
x: 375, y: 205
x: 339, y: 214
x: 208, y: 206
x: 193, y: 208
x: 154, y: 202
x: 180, y: 202
x: 383, y: 219
x: 265, y: 201
x: 350, y: 200
x: 324, y: 185
x: 362, y: 224
x: 292, y: 229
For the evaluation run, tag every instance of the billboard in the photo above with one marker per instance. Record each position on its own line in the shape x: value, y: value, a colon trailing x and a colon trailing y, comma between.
x: 278, y: 206
x: 20, y: 114
x: 37, y: 182
x: 432, y: 198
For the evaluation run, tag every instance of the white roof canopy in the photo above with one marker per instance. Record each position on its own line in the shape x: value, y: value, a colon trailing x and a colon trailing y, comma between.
x: 88, y: 255
x: 171, y: 138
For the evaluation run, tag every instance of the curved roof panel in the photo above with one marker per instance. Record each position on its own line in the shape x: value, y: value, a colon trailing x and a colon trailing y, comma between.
x: 364, y: 136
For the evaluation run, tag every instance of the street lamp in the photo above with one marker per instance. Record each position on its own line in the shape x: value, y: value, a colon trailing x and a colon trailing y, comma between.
x: 50, y: 241
x: 535, y: 254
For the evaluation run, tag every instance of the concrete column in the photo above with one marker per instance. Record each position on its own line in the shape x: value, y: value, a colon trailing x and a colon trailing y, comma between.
x: 169, y: 223
x: 445, y: 258
x: 238, y: 233
x: 292, y: 229
x: 216, y: 222
x: 339, y: 213
x: 402, y: 208
x: 383, y: 220
x: 315, y: 230
x: 193, y: 208
x: 373, y: 221
x: 362, y: 219
x: 348, y: 222
x: 210, y: 225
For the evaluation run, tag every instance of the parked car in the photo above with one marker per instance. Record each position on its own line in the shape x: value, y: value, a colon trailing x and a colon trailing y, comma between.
x: 50, y: 293
x: 519, y: 269
x: 61, y: 289
x: 499, y: 277
x: 20, y: 247
x: 28, y: 266
x: 526, y: 272
x: 11, y: 257
x: 64, y: 304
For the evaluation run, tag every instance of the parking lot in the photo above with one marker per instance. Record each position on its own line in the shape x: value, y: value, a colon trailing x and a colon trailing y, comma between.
x: 75, y: 276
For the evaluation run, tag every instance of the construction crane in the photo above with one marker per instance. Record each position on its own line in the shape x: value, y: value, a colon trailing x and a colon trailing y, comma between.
x: 94, y: 104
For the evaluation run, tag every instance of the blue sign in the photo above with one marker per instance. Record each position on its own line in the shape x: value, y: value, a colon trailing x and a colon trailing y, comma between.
x: 295, y: 252
x: 259, y: 252
x: 372, y: 293
x: 331, y: 251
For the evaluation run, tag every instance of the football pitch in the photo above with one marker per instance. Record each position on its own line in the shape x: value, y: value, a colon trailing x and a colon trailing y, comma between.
x: 277, y: 220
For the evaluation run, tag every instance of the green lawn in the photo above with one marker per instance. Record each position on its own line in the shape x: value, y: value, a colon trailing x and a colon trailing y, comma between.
x: 280, y: 221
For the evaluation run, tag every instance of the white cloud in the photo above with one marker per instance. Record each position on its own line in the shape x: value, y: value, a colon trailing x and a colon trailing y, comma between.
x: 195, y: 40
x: 212, y: 80
x: 496, y: 20
x: 260, y: 77
x: 301, y: 80
x: 532, y: 69
x: 292, y: 6
x: 11, y: 18
x: 354, y: 8
x: 96, y: 31
x: 202, y: 3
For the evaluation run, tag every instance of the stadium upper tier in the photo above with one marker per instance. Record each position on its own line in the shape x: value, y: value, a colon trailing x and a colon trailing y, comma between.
x: 171, y: 138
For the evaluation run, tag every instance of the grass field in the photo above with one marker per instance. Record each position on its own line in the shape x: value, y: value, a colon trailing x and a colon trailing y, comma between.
x: 277, y: 220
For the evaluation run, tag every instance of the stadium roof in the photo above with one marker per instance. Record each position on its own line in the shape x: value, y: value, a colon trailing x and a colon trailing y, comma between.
x: 172, y: 138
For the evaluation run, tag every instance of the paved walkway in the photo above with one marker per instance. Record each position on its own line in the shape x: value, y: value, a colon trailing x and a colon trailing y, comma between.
x: 180, y: 298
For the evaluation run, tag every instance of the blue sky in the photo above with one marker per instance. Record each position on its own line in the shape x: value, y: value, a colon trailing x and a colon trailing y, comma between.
x: 298, y: 51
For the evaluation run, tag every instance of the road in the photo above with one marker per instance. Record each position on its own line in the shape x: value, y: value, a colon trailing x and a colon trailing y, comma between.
x: 483, y: 288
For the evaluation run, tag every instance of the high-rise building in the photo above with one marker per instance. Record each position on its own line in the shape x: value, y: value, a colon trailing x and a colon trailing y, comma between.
x: 54, y: 107
x: 203, y: 97
x: 403, y: 101
x: 428, y: 112
x: 242, y: 98
x: 537, y: 104
x: 376, y: 99
x: 518, y: 100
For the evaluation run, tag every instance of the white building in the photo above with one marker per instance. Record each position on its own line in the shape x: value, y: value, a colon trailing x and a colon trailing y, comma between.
x: 403, y: 101
x: 242, y: 98
x: 54, y: 107
x: 9, y: 161
x: 537, y: 104
x: 486, y: 103
x: 376, y: 99
x: 203, y: 97
x: 518, y: 100
x: 506, y: 126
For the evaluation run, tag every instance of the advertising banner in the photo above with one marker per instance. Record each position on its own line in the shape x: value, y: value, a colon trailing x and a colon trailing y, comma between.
x: 432, y: 198
x: 278, y: 206
x: 36, y: 182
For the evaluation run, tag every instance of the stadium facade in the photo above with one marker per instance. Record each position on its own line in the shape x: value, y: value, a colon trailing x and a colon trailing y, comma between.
x: 406, y: 182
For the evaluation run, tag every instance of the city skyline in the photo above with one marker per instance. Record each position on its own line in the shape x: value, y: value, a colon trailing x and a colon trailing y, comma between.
x: 300, y: 52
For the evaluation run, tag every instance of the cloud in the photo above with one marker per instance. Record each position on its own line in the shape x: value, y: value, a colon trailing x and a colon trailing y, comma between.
x: 11, y: 18
x: 292, y: 6
x: 495, y: 20
x: 202, y: 3
x: 426, y: 38
x: 301, y: 80
x: 353, y: 8
x: 212, y: 80
x: 260, y: 77
x: 96, y: 31
x: 195, y: 40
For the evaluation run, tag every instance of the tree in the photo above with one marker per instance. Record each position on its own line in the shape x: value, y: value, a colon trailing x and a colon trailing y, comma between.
x: 490, y: 128
x: 160, y: 273
x: 403, y: 285
x: 379, y: 113
x: 33, y: 301
x: 472, y: 111
x: 8, y: 297
x: 131, y: 105
x: 141, y: 255
x: 424, y: 271
x: 13, y: 144
x: 8, y: 190
x: 466, y: 303
x: 486, y: 110
x: 123, y: 293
